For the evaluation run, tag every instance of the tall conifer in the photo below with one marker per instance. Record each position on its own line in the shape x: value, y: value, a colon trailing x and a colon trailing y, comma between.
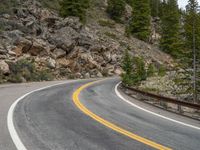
x: 140, y: 23
x: 170, y: 41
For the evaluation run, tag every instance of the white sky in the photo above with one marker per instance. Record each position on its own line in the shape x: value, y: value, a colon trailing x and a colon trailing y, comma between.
x: 183, y: 3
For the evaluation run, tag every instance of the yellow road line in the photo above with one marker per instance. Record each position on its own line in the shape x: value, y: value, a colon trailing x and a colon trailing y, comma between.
x: 111, y: 125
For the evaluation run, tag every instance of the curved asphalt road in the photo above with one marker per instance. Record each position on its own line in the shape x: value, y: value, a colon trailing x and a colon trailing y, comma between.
x: 8, y: 94
x: 49, y: 120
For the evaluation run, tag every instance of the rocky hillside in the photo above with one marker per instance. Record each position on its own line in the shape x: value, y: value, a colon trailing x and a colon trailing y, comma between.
x: 35, y: 38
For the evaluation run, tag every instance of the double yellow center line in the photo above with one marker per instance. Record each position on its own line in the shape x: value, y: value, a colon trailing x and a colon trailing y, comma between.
x: 111, y: 125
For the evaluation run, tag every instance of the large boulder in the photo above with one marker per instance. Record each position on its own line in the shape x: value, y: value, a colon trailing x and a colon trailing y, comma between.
x: 39, y: 47
x: 22, y: 46
x: 65, y: 39
x: 4, y: 67
x: 35, y: 47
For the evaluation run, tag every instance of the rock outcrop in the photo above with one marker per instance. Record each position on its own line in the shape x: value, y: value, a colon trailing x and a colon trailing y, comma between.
x: 66, y: 46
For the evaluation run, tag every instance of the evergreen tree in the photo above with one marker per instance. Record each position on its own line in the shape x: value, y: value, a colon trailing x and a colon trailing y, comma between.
x: 155, y: 6
x: 140, y: 23
x: 134, y: 70
x: 170, y: 24
x: 139, y: 72
x: 116, y: 9
x: 74, y: 8
x: 127, y: 66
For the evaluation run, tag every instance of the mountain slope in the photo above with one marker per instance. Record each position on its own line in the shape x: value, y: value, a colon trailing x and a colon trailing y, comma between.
x: 65, y: 47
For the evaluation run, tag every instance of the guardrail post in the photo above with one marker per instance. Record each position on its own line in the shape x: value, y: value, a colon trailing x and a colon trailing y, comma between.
x: 179, y: 109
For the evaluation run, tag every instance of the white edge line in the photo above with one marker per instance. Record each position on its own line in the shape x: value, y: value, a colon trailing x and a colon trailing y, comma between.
x: 153, y: 113
x: 10, y: 123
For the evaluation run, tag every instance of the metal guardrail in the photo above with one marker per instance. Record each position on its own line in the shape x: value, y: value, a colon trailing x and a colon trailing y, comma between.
x: 164, y: 99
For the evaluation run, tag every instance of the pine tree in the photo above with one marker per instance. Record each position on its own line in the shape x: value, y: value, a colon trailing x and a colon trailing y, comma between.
x: 170, y: 24
x: 139, y: 72
x: 116, y: 9
x: 127, y: 66
x: 155, y: 6
x: 134, y: 70
x: 74, y: 8
x: 140, y: 23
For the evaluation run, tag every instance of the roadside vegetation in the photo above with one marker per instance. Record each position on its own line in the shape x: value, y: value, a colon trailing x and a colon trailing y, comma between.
x: 25, y: 71
x: 136, y: 71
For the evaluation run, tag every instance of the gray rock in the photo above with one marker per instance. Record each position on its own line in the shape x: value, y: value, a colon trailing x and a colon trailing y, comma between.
x: 10, y: 25
x: 21, y: 12
x: 51, y: 63
x: 6, y: 16
x: 23, y: 44
x: 59, y: 53
x: 118, y: 71
x: 38, y: 48
x: 72, y: 22
x: 51, y: 21
x: 114, y: 58
x: 3, y: 57
x: 65, y: 39
x: 110, y: 69
x: 4, y: 67
x: 99, y: 75
x: 87, y: 75
x: 11, y: 53
x: 78, y: 75
x: 15, y: 34
x: 3, y: 51
x: 85, y: 42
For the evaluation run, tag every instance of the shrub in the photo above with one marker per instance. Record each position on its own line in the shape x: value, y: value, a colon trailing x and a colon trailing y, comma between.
x: 75, y: 8
x: 21, y: 65
x: 134, y: 70
x: 52, y: 4
x: 116, y: 9
x: 162, y: 71
x: 25, y: 69
x: 127, y: 66
x: 139, y: 69
x: 15, y: 78
x: 106, y: 23
x: 128, y: 31
x: 2, y: 27
x: 111, y: 35
x: 151, y: 70
x: 44, y: 75
x: 7, y: 5
x: 1, y: 77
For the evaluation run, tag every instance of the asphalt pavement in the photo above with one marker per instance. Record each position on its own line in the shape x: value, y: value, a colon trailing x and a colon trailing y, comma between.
x: 50, y: 120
